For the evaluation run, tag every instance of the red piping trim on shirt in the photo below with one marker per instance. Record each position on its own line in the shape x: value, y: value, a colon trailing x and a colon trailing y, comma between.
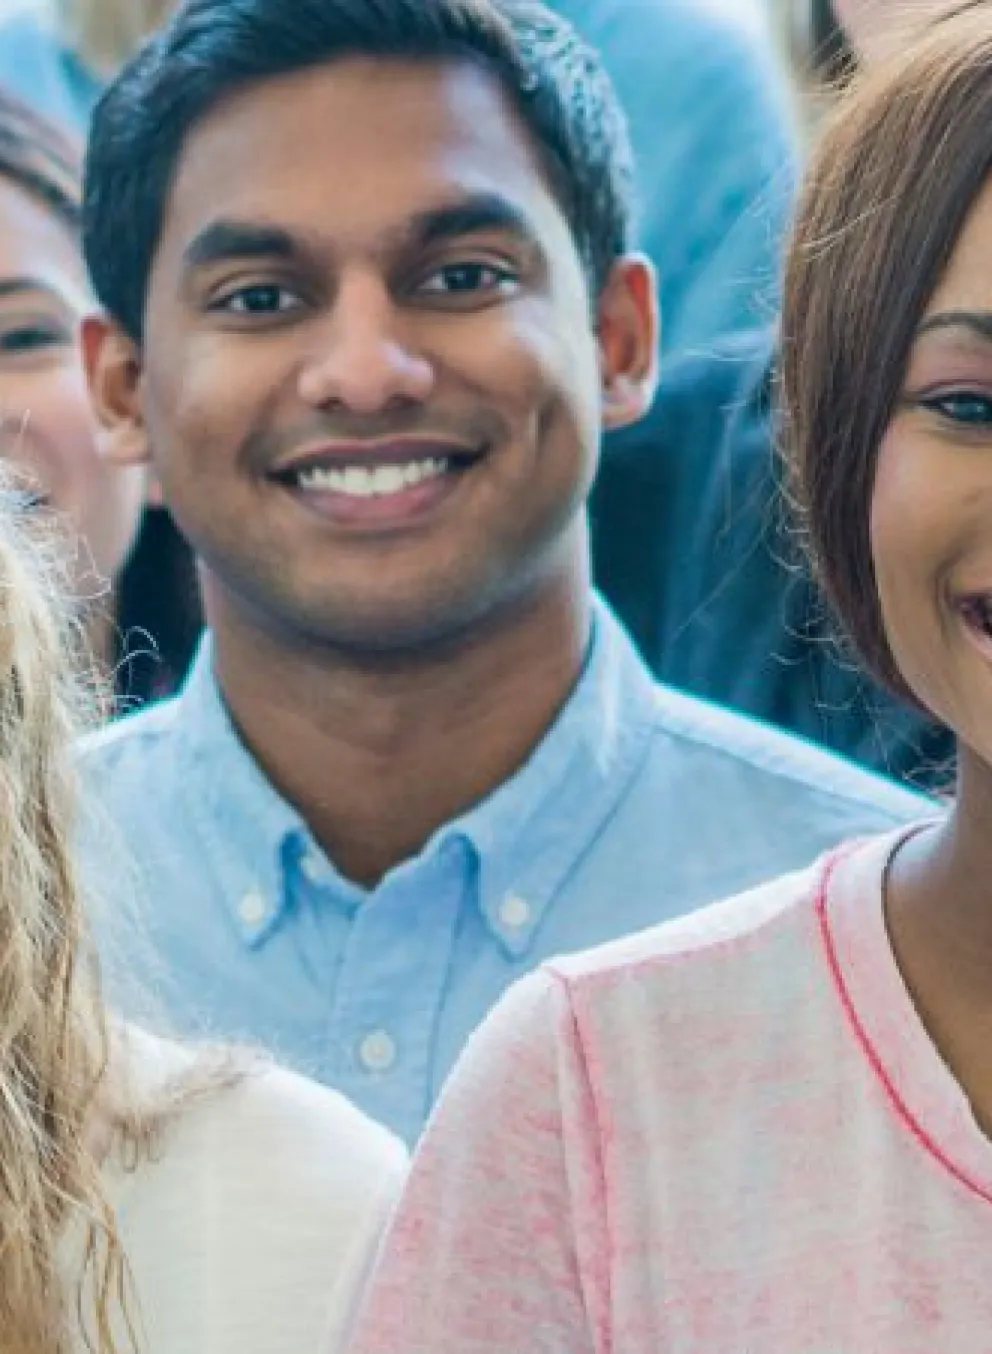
x: 902, y: 1109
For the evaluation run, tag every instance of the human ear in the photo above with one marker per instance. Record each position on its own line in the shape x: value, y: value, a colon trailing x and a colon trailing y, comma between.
x: 628, y: 331
x: 114, y: 372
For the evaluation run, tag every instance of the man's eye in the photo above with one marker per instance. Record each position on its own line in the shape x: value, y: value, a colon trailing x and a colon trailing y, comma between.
x: 461, y: 278
x: 263, y: 299
x: 964, y: 406
x: 30, y: 338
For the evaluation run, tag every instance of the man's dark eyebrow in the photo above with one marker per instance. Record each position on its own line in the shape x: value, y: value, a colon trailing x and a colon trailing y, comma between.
x: 223, y: 241
x: 226, y: 240
x: 976, y: 321
x: 472, y: 215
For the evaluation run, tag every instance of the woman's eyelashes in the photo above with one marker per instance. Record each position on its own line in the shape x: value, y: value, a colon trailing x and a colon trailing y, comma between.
x: 964, y: 408
x: 29, y: 337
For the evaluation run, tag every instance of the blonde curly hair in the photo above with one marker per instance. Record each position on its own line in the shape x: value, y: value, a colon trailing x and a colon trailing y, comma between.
x: 67, y: 1093
x: 55, y: 1043
x: 105, y: 33
x: 73, y: 1088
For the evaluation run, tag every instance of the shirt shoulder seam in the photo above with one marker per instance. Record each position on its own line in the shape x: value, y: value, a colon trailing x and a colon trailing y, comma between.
x: 681, y: 728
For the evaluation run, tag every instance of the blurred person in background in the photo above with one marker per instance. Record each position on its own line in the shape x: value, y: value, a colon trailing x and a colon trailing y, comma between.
x: 154, y: 1198
x: 136, y: 591
x: 47, y: 427
x: 58, y: 54
x: 693, y: 546
x: 370, y: 366
x: 714, y: 130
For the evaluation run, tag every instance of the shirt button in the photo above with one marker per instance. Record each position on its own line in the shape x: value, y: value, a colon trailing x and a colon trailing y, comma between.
x: 514, y: 912
x: 253, y: 909
x: 310, y: 867
x: 377, y: 1051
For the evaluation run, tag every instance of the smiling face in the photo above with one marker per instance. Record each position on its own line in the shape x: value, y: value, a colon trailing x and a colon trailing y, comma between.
x: 931, y: 522
x: 47, y: 428
x: 371, y: 381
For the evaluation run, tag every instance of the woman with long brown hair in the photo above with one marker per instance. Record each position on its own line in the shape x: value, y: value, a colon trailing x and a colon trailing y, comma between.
x: 152, y: 1198
x: 768, y: 1126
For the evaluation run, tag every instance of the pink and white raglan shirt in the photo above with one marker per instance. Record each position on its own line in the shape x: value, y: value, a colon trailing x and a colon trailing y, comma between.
x: 728, y: 1135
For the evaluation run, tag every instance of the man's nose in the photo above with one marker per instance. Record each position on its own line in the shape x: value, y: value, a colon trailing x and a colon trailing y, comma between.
x: 363, y: 360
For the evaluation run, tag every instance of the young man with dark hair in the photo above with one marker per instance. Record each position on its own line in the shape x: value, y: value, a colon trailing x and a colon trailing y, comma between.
x: 369, y: 305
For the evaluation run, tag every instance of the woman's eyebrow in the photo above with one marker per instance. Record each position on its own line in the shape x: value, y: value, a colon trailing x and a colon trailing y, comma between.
x: 16, y: 286
x: 978, y: 322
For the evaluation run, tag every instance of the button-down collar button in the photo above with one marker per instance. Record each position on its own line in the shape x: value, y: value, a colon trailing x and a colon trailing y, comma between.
x: 514, y: 912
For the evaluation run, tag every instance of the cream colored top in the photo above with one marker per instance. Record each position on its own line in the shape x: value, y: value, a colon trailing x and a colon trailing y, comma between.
x: 252, y: 1229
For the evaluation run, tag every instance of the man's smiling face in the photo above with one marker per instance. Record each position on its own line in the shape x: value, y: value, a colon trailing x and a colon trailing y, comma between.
x: 371, y: 380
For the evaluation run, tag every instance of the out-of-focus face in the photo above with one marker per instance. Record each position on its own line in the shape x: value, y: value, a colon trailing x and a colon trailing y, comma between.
x: 931, y: 522
x: 47, y: 427
x: 371, y: 383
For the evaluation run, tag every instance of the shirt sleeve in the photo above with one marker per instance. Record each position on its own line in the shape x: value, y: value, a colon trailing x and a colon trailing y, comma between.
x: 498, y: 1244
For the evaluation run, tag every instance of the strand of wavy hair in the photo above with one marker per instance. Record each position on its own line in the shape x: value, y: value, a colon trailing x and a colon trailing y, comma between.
x: 54, y: 1036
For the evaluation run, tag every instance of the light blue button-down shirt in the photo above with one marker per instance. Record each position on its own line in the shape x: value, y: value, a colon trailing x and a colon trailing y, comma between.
x: 639, y: 804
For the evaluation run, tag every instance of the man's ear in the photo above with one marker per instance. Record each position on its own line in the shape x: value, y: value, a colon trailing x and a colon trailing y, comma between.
x: 628, y: 331
x: 113, y: 369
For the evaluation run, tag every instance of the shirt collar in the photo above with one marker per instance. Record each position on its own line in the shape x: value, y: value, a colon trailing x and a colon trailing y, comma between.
x: 249, y: 827
x: 526, y: 837
x: 531, y: 832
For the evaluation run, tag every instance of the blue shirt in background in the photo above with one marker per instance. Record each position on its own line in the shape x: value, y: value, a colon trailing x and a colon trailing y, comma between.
x: 38, y: 68
x: 639, y: 804
x: 717, y: 150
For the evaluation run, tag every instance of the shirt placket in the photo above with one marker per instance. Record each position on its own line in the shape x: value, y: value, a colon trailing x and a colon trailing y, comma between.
x: 391, y: 984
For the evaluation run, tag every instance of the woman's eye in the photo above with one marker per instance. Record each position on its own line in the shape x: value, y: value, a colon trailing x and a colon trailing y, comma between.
x: 30, y: 500
x: 962, y: 407
x: 466, y: 278
x: 263, y: 299
x: 30, y: 338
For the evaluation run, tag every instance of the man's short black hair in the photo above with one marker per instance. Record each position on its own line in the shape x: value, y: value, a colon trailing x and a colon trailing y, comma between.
x: 213, y: 49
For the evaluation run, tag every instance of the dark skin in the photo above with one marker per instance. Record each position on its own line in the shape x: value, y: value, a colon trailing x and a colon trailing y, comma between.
x: 412, y: 748
x: 937, y: 908
x: 932, y: 549
x: 390, y: 661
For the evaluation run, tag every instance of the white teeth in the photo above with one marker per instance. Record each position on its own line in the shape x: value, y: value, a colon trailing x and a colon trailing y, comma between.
x: 356, y: 481
x: 372, y: 481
